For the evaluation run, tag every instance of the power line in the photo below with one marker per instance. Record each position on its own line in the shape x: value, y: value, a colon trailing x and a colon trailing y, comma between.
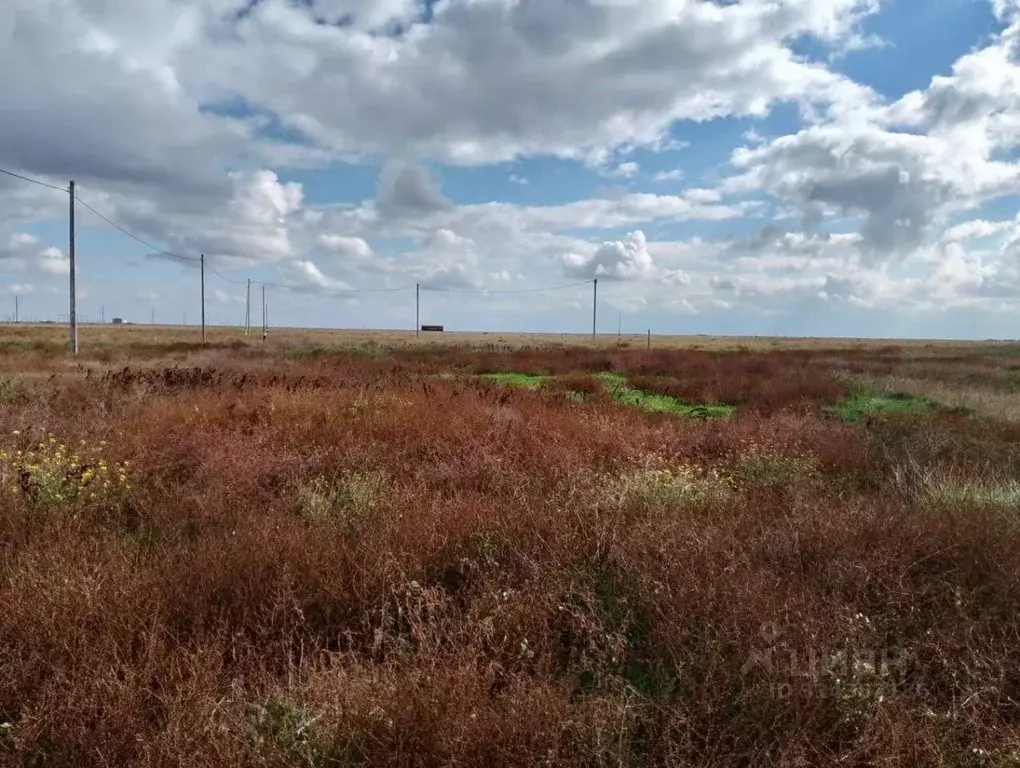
x: 31, y: 181
x: 135, y: 237
x: 296, y: 288
x: 489, y: 291
x: 224, y: 277
x: 325, y: 290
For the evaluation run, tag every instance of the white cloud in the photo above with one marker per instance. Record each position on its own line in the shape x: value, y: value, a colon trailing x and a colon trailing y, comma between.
x: 626, y: 170
x: 17, y: 289
x: 307, y: 275
x: 24, y: 252
x: 674, y: 175
x: 354, y: 249
x: 905, y: 167
x: 52, y: 261
x: 627, y: 259
x: 976, y: 228
x: 469, y: 86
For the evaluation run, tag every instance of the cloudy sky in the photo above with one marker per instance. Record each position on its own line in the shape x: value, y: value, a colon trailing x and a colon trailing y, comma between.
x: 800, y: 167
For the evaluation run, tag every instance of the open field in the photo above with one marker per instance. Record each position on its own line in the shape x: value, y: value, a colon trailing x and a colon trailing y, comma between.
x: 352, y: 548
x: 122, y: 336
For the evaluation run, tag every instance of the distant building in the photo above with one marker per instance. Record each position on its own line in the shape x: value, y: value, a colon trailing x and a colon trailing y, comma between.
x: 118, y: 321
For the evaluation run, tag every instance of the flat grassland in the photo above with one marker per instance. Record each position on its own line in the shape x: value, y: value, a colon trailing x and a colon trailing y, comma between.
x: 348, y: 548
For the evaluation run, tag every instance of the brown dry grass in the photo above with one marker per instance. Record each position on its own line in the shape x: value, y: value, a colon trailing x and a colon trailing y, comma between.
x: 330, y: 558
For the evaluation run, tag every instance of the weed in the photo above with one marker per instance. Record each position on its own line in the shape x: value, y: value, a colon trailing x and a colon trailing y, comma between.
x: 12, y: 390
x: 668, y: 488
x: 345, y: 501
x: 523, y: 380
x: 341, y: 558
x: 861, y: 405
x: 622, y: 393
x: 763, y: 463
x: 283, y: 727
x: 53, y: 473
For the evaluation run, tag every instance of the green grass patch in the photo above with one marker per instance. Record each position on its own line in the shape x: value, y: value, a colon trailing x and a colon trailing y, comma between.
x: 856, y: 408
x: 511, y: 379
x: 616, y: 385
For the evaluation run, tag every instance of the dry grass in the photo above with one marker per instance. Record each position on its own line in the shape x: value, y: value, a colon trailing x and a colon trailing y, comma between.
x: 326, y: 558
x: 993, y: 401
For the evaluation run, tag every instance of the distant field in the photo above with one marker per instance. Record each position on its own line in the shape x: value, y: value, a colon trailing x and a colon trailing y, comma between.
x: 359, y: 548
x: 115, y: 335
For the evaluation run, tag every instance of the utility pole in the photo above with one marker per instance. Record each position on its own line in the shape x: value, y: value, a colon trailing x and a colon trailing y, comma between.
x: 417, y: 309
x: 263, y: 315
x: 202, y: 265
x: 649, y: 338
x: 15, y: 309
x: 594, y: 305
x: 247, y: 309
x: 73, y: 318
x: 102, y: 314
x: 619, y: 326
x: 152, y: 317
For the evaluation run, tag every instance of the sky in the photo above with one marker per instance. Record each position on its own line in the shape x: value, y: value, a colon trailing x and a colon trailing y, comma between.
x: 746, y: 167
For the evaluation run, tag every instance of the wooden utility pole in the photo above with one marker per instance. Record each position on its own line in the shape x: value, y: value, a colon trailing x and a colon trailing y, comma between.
x: 264, y: 315
x: 202, y: 265
x: 73, y: 317
x: 247, y: 310
x: 594, y: 305
x: 417, y: 309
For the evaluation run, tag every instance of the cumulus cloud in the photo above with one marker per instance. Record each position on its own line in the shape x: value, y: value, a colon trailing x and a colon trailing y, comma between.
x: 626, y: 259
x: 353, y: 249
x: 253, y: 223
x: 307, y: 275
x: 904, y: 167
x: 25, y: 253
x: 464, y: 87
x: 408, y: 189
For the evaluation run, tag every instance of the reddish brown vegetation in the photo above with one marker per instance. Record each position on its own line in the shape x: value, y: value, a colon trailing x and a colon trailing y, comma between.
x: 484, y: 602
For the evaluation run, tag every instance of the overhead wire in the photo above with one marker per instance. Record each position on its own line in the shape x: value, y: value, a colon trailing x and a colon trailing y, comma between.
x: 31, y: 180
x: 498, y: 291
x: 297, y: 288
x: 135, y: 237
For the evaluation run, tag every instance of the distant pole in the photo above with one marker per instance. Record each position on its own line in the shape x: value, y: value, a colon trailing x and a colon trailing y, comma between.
x: 247, y: 309
x: 619, y: 327
x: 649, y: 338
x: 15, y: 309
x: 73, y: 318
x: 201, y: 262
x: 417, y: 309
x: 263, y: 315
x: 594, y: 305
x: 152, y: 317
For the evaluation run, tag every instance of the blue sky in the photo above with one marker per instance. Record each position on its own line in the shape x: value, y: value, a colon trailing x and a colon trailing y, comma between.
x: 791, y: 167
